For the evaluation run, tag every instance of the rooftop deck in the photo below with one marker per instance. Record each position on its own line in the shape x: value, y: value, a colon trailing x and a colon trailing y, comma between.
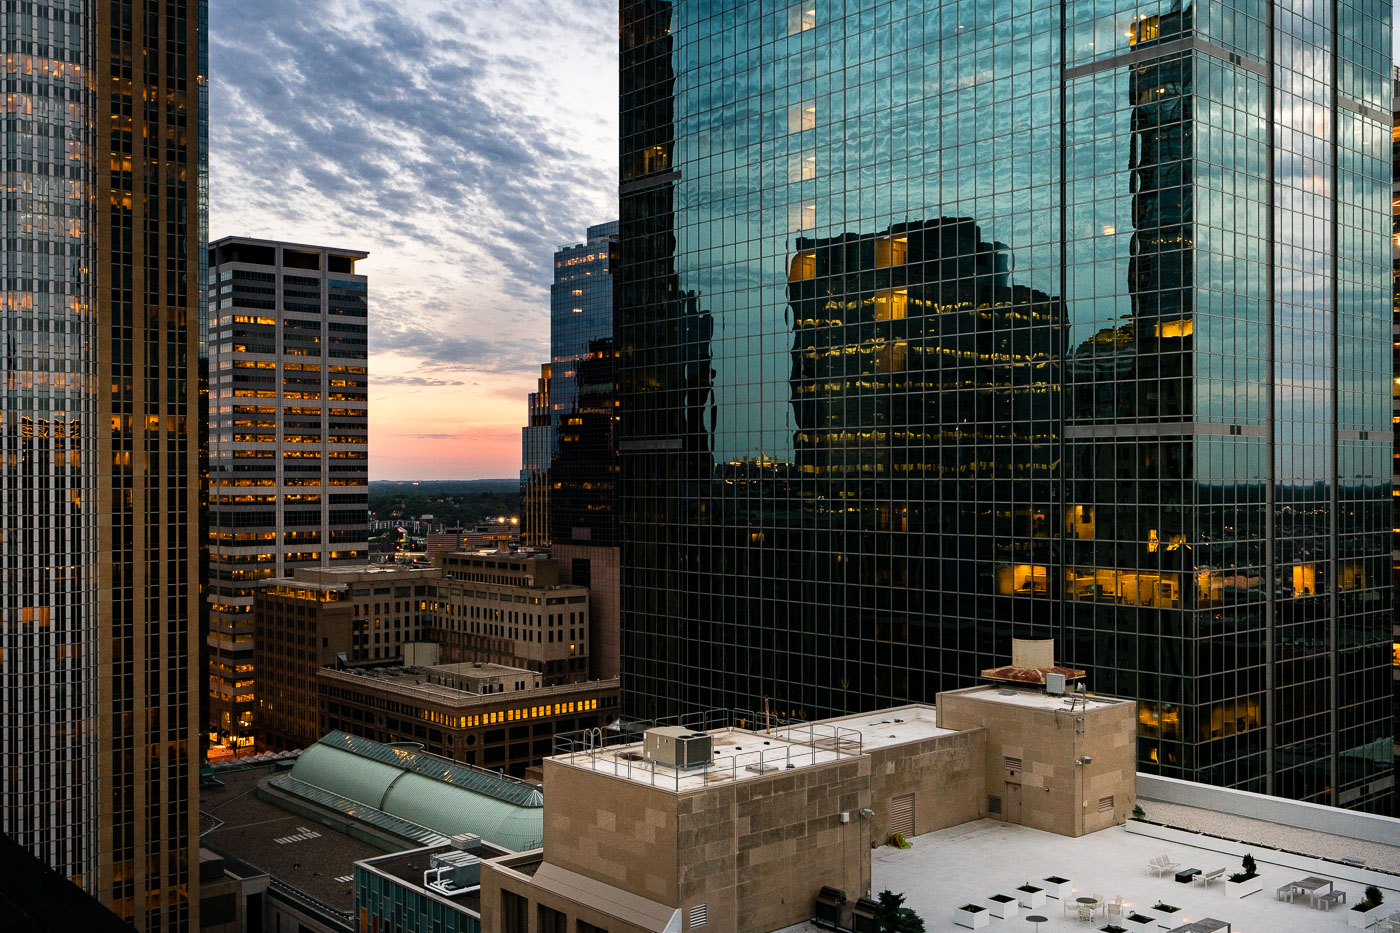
x: 744, y: 749
x: 971, y: 862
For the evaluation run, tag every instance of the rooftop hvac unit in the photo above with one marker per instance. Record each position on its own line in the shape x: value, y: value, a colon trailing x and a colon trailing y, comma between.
x: 466, y: 842
x: 451, y: 872
x: 829, y: 902
x: 678, y: 747
x: 863, y: 917
x: 1055, y: 684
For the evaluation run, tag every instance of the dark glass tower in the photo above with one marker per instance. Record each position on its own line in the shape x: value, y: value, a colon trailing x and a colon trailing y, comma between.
x: 944, y: 323
x: 583, y: 405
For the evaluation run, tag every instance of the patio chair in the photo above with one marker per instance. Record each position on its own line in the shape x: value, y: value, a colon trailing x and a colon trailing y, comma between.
x: 1086, y: 913
x: 1103, y: 902
x: 1285, y: 893
x: 1115, y: 907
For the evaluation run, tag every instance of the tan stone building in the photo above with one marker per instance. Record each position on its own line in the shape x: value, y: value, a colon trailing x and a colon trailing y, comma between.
x: 509, y: 608
x: 757, y: 820
x: 322, y: 616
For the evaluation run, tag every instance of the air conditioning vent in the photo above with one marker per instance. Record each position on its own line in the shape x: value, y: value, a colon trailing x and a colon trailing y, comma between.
x: 1012, y: 764
x: 994, y: 805
x: 1105, y: 804
x: 699, y: 915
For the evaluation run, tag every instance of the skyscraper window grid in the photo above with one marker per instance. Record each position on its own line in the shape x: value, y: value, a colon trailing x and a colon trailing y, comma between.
x: 1162, y: 481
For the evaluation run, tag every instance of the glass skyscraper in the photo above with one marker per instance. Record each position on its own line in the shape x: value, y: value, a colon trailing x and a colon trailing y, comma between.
x: 99, y: 475
x: 944, y: 323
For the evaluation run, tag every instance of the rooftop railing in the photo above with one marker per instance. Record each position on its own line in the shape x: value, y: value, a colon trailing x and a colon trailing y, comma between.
x: 802, y: 744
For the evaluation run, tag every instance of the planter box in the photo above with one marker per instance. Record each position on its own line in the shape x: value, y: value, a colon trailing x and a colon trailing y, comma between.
x: 1003, y: 906
x: 1171, y: 919
x: 1363, y: 919
x: 1140, y: 922
x: 1057, y: 887
x: 972, y: 916
x: 1032, y: 898
x: 1238, y: 889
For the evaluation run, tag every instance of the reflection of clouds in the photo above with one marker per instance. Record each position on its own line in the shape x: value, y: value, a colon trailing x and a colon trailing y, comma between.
x: 458, y: 146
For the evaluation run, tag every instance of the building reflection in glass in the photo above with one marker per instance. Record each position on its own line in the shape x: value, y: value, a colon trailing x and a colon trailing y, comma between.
x: 1049, y: 371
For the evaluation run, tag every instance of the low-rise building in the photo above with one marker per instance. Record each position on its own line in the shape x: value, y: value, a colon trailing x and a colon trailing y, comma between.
x: 509, y: 608
x: 497, y: 717
x: 737, y: 825
x: 285, y: 840
x: 326, y: 616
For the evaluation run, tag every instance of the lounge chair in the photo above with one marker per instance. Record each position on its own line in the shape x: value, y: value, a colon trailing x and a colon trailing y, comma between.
x: 1205, y: 878
x: 1163, y: 864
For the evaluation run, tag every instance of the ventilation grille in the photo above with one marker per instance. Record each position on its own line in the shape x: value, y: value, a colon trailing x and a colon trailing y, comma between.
x: 993, y: 804
x: 1105, y: 804
x: 699, y: 915
x: 1012, y: 764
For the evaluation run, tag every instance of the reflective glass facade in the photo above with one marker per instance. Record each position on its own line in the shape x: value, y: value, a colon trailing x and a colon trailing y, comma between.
x: 943, y: 323
x: 102, y: 216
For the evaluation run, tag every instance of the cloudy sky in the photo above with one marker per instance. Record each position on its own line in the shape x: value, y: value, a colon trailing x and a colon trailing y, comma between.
x: 459, y: 143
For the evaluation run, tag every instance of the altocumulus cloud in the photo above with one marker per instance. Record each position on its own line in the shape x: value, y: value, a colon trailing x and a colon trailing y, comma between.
x: 458, y: 142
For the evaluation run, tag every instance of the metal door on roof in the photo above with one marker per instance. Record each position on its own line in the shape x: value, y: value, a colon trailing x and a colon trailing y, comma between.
x: 902, y: 815
x: 1012, y: 804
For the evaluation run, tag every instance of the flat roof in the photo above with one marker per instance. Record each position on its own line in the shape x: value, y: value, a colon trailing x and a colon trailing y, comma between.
x: 976, y: 860
x: 744, y: 753
x: 259, y: 241
x: 408, y: 867
x: 1036, y: 698
x: 309, y: 856
x: 481, y: 668
x: 890, y: 727
x: 417, y: 686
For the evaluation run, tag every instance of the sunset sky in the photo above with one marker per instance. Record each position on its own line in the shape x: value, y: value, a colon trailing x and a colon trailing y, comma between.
x: 459, y: 143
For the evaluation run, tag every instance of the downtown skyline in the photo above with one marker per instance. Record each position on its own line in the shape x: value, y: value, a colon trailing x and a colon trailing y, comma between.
x: 421, y: 166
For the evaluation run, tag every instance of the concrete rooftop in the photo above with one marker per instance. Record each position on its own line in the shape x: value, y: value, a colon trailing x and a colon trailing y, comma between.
x: 971, y: 862
x: 741, y: 754
x: 300, y: 851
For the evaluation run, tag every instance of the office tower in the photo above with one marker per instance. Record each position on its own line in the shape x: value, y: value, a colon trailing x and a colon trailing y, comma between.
x: 288, y: 416
x: 583, y: 403
x: 100, y: 472
x: 536, y: 455
x: 1395, y: 417
x: 988, y: 320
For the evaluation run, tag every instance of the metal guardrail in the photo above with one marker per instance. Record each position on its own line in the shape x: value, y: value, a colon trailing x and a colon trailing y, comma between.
x: 802, y: 741
x: 299, y: 897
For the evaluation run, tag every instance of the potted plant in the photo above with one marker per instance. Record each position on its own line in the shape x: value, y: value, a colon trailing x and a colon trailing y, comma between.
x: 1057, y: 887
x: 899, y: 841
x: 1138, y: 812
x: 1030, y: 896
x: 1113, y: 928
x: 1167, y: 923
x: 1004, y: 906
x: 1246, y: 882
x: 1367, y: 912
x: 1140, y: 922
x: 972, y: 916
x: 891, y: 916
